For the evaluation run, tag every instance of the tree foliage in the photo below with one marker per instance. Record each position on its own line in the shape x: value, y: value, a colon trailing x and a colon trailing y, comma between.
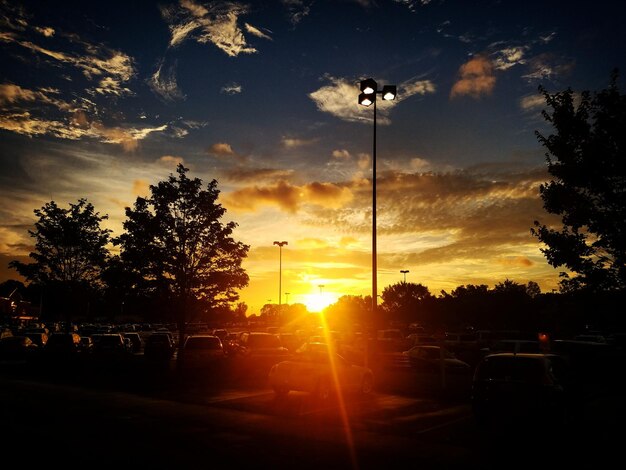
x: 69, y: 256
x: 177, y: 248
x: 585, y: 158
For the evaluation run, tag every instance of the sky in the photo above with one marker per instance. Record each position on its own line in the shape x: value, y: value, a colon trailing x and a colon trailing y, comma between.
x: 99, y: 100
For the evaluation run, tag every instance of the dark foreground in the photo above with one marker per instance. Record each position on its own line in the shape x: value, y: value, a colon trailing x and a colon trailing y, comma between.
x: 160, y: 419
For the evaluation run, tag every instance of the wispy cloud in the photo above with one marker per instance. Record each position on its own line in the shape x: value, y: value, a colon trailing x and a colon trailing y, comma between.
x: 111, y: 68
x: 288, y: 197
x: 297, y: 10
x: 547, y: 67
x: 215, y: 23
x: 170, y: 161
x: 246, y: 174
x: 476, y: 78
x: 257, y: 32
x: 232, y: 88
x: 508, y: 57
x: 291, y: 142
x: 339, y: 98
x: 532, y: 102
x: 164, y: 83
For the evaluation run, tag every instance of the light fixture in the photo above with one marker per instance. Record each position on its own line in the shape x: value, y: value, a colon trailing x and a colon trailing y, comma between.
x: 389, y: 92
x: 369, y: 86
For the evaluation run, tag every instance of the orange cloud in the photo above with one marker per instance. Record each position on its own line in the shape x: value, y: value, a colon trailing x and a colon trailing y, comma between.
x: 170, y: 161
x: 289, y: 197
x: 221, y: 149
x: 140, y: 187
x: 521, y: 261
x: 476, y: 78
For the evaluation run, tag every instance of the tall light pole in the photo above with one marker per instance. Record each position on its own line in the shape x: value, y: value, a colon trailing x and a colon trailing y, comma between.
x: 404, y: 271
x: 287, y: 297
x: 369, y: 90
x: 280, y: 270
x: 321, y: 286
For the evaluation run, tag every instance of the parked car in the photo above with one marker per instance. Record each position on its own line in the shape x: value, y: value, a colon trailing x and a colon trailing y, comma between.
x: 86, y: 344
x: 521, y: 388
x: 38, y: 337
x: 17, y: 347
x: 203, y: 351
x: 318, y: 370
x: 109, y: 345
x: 514, y: 345
x: 135, y: 341
x: 258, y: 351
x: 159, y: 346
x: 63, y: 344
x: 428, y: 358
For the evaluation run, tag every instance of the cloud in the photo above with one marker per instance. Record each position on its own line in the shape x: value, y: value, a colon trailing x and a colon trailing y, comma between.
x: 412, y: 5
x: 232, y: 88
x: 243, y: 174
x: 46, y: 31
x: 221, y: 149
x: 476, y: 78
x: 532, y: 102
x: 164, y: 84
x: 288, y: 197
x: 509, y: 57
x: 297, y: 10
x: 341, y: 154
x: 11, y: 94
x: 291, y: 143
x: 256, y: 32
x: 415, y: 87
x: 110, y: 67
x: 547, y: 67
x: 340, y: 98
x: 170, y: 161
x: 522, y: 261
x: 141, y: 187
x: 215, y: 23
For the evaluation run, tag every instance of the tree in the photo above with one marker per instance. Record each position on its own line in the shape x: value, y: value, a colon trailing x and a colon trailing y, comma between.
x: 70, y: 252
x: 405, y: 301
x: 586, y: 158
x: 180, y: 251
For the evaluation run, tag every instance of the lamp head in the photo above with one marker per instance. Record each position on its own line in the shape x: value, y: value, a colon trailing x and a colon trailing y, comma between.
x: 366, y: 99
x: 368, y: 86
x: 389, y: 92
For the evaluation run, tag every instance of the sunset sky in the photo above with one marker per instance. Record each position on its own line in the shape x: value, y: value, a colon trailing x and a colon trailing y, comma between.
x: 102, y: 99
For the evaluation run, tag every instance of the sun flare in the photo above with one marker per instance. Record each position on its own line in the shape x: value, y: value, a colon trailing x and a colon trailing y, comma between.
x: 317, y: 302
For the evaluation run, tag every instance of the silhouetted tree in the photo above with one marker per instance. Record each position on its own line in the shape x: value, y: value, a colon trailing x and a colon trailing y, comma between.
x: 586, y: 158
x: 405, y: 301
x: 180, y: 251
x: 348, y: 311
x: 70, y: 253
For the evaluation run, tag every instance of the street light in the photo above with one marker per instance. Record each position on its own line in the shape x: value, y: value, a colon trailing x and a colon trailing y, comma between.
x: 404, y: 271
x: 287, y: 297
x: 321, y: 286
x: 369, y: 90
x: 280, y: 270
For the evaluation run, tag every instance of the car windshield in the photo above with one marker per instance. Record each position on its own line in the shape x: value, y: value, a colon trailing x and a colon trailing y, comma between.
x: 203, y: 342
x: 518, y: 368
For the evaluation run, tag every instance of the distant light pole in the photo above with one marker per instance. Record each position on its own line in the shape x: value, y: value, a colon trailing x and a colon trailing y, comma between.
x: 404, y: 271
x: 369, y: 90
x: 280, y: 270
x: 321, y: 286
x: 287, y: 297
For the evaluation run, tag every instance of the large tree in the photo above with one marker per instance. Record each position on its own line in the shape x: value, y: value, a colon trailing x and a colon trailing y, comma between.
x: 586, y: 156
x: 405, y: 301
x: 70, y: 253
x: 179, y: 250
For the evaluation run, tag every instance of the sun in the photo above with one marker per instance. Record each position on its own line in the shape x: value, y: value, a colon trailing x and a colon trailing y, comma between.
x: 315, y: 303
